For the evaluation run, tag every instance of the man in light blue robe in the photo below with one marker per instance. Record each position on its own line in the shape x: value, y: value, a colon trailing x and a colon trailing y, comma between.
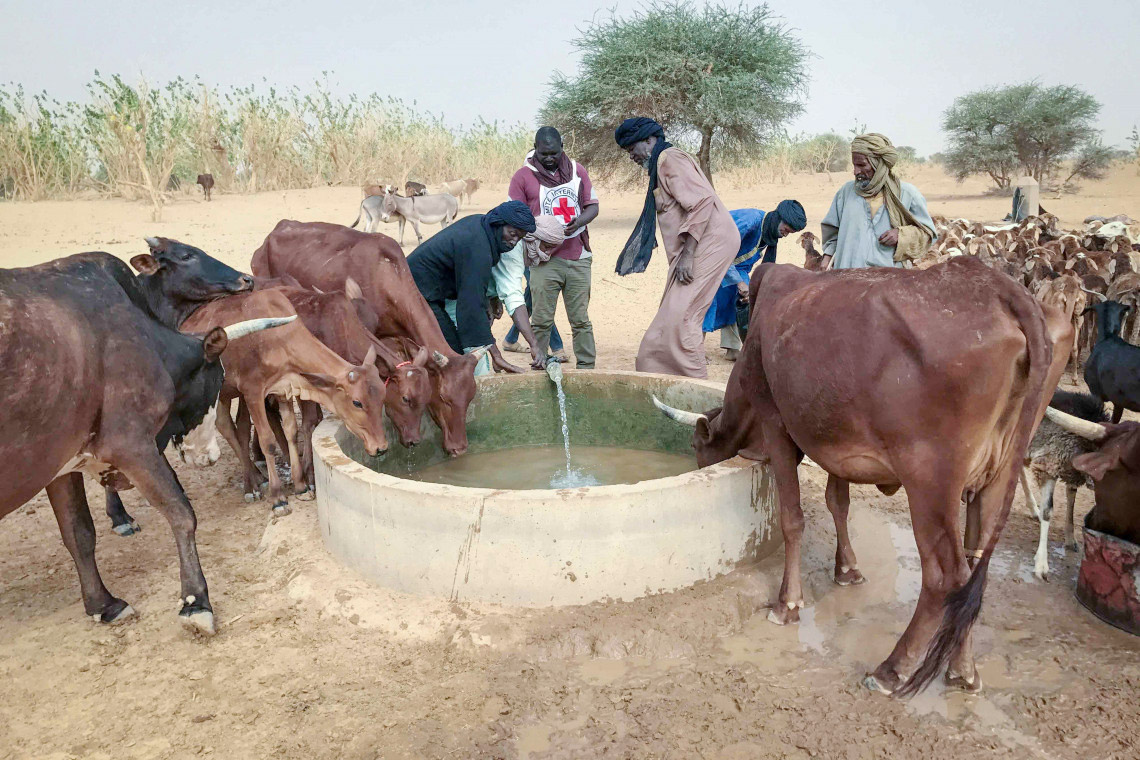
x: 875, y: 220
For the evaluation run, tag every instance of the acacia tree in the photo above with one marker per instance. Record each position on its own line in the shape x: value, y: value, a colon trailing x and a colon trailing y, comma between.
x: 729, y: 76
x: 1025, y: 128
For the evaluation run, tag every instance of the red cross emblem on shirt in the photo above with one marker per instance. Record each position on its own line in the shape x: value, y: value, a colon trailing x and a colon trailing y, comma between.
x: 564, y: 210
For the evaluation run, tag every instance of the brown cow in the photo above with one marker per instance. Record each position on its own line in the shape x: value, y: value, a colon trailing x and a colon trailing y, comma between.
x: 324, y: 256
x: 381, y: 190
x: 412, y: 189
x: 872, y: 406
x: 1115, y: 470
x: 333, y: 319
x: 207, y: 183
x: 1066, y: 295
x: 95, y: 383
x: 288, y: 363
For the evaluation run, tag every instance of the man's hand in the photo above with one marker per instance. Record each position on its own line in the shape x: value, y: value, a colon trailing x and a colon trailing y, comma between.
x: 499, y: 364
x: 742, y: 292
x: 537, y: 358
x: 825, y: 264
x: 684, y: 270
x: 890, y: 237
x: 573, y: 227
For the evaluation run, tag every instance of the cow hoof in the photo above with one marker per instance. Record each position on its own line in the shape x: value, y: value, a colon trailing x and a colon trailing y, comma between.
x: 781, y: 614
x: 849, y: 577
x: 116, y: 612
x: 253, y: 495
x: 198, y: 619
x: 281, y: 508
x: 960, y: 683
x: 875, y: 686
x: 127, y: 529
x: 308, y: 494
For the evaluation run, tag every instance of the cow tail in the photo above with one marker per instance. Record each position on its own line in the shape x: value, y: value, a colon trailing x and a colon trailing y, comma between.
x: 964, y: 604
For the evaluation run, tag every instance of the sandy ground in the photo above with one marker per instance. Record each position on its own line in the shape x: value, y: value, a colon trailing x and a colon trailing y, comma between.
x: 311, y: 661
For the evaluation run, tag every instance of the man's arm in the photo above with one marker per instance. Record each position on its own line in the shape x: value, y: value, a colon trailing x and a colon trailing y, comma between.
x: 829, y: 227
x: 587, y: 199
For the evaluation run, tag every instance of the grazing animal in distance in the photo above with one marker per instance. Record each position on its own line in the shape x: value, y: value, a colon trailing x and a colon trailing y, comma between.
x: 885, y: 423
x: 414, y: 188
x: 207, y: 183
x: 813, y: 259
x: 378, y: 190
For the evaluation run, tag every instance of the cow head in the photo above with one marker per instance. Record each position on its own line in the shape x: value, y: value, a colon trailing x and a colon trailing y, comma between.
x: 713, y: 440
x: 178, y: 278
x: 356, y: 394
x: 453, y: 388
x: 407, y: 394
x: 1115, y: 470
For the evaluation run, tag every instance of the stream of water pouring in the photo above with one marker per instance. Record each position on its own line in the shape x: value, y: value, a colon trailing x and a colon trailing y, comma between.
x: 568, y: 478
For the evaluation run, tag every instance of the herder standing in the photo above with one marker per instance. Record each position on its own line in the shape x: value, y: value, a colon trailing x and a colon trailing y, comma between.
x: 700, y: 238
x: 455, y: 264
x: 876, y: 220
x: 553, y: 184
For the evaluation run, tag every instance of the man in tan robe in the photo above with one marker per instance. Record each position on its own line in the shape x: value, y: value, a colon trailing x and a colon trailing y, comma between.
x: 701, y: 240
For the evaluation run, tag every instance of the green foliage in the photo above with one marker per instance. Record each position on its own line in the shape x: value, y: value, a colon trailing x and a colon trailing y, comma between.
x: 1025, y: 128
x: 721, y: 76
x: 138, y: 141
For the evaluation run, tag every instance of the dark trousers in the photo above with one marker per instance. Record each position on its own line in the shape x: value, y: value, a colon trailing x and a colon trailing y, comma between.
x: 513, y: 335
x: 450, y: 331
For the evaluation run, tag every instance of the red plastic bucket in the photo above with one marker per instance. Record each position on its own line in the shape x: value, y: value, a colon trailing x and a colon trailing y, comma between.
x: 1109, y: 580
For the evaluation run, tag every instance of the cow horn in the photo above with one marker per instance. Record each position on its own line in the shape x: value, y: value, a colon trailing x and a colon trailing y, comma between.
x: 479, y: 353
x: 1102, y: 297
x: 1093, y: 431
x: 439, y: 359
x: 255, y: 325
x: 679, y: 415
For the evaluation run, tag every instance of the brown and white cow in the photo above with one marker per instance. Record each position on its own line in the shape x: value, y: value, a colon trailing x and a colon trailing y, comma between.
x: 932, y: 380
x: 324, y: 256
x: 288, y: 363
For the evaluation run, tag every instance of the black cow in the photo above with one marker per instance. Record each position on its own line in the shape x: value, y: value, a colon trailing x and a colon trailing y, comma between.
x: 94, y: 383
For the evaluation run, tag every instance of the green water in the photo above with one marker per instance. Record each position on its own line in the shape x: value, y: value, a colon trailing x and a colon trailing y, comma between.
x: 545, y: 467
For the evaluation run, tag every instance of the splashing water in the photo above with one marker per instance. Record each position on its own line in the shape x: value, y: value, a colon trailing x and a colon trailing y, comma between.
x: 570, y: 477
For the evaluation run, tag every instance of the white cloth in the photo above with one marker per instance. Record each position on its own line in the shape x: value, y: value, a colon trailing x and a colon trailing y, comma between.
x: 851, y: 233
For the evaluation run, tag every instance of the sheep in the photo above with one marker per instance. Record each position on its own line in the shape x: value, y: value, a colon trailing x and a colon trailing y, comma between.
x: 1048, y: 460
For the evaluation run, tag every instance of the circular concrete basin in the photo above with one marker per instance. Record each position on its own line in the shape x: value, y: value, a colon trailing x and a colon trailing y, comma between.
x: 547, y: 547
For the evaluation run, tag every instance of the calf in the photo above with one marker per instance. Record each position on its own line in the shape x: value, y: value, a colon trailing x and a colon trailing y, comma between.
x: 95, y: 383
x: 207, y: 183
x: 324, y: 256
x: 289, y: 363
x: 1049, y: 459
x: 1112, y: 372
x: 377, y: 190
x: 1115, y: 469
x: 414, y: 188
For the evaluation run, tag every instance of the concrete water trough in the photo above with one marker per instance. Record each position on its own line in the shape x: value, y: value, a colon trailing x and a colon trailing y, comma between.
x: 549, y: 546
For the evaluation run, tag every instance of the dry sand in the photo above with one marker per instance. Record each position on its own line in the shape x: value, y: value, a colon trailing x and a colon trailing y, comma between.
x: 311, y: 661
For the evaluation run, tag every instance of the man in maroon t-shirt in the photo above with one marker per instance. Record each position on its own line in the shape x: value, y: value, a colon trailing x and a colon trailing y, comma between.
x: 552, y: 184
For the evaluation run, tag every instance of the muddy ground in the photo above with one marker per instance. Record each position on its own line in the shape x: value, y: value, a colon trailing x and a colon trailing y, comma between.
x: 311, y: 661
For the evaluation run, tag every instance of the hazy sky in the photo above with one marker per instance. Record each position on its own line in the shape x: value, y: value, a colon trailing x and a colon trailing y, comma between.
x: 892, y: 65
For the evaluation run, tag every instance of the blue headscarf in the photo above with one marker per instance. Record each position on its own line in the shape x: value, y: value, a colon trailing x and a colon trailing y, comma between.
x: 634, y: 256
x: 515, y: 213
x: 790, y: 213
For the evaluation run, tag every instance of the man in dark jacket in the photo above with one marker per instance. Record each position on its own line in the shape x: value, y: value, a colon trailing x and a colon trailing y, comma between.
x: 455, y: 264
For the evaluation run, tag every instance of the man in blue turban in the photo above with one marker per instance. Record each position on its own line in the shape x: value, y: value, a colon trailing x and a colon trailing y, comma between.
x: 760, y: 232
x: 455, y: 264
